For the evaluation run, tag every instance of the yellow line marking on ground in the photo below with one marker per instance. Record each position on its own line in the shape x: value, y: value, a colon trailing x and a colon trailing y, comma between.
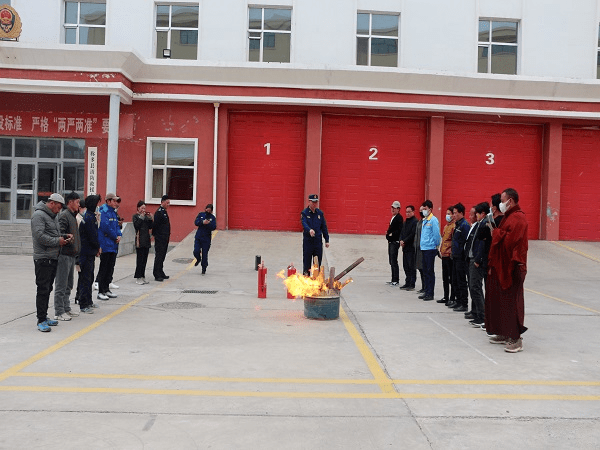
x: 18, y: 367
x: 338, y: 395
x: 574, y: 250
x: 384, y: 382
x: 303, y: 380
x: 562, y: 301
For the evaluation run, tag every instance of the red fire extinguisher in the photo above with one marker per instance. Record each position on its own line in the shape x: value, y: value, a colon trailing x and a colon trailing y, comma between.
x: 291, y: 270
x: 262, y: 281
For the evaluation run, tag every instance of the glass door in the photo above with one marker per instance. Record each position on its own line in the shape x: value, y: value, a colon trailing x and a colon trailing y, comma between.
x: 25, y: 191
x: 49, y: 180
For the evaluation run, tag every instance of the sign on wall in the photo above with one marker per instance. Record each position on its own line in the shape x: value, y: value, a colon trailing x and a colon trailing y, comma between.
x: 92, y: 170
x: 10, y: 23
x: 40, y: 124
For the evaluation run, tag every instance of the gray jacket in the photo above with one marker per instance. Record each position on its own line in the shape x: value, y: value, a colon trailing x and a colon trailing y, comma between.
x: 45, y: 233
x: 67, y: 223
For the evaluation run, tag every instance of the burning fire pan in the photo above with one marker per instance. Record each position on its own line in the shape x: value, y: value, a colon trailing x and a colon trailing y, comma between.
x: 322, y: 307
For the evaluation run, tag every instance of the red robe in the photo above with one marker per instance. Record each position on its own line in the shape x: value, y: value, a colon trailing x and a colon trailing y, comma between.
x: 504, y: 301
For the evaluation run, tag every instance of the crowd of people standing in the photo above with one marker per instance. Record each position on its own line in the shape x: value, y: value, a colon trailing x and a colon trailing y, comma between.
x: 484, y: 258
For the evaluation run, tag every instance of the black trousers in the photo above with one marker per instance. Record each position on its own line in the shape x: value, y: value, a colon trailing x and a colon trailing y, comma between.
x: 309, y: 251
x: 106, y: 270
x: 393, y: 248
x: 141, y: 261
x: 45, y: 272
x: 459, y: 280
x: 476, y: 277
x: 86, y: 278
x: 447, y: 279
x: 409, y: 264
x: 160, y: 253
x: 429, y: 271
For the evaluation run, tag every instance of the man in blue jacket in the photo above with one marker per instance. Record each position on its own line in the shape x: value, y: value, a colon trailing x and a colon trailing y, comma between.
x: 314, y: 230
x: 109, y: 236
x: 430, y: 241
x: 206, y: 223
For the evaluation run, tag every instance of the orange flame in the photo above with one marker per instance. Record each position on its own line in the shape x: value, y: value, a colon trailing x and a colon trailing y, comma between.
x: 311, y: 286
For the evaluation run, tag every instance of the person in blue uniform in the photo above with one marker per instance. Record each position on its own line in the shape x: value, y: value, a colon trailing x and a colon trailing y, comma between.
x: 206, y: 223
x: 315, y: 229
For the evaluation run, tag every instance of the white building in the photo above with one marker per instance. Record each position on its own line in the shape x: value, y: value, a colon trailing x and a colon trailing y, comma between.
x: 362, y: 101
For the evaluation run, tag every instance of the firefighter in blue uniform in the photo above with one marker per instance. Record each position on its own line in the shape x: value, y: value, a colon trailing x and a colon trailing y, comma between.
x: 206, y: 223
x: 315, y: 229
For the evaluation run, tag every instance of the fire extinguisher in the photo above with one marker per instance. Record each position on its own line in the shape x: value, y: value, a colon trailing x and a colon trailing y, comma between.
x: 291, y: 270
x: 262, y: 281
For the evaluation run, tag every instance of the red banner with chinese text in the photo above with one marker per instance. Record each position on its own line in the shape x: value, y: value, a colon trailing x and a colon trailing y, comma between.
x: 58, y: 125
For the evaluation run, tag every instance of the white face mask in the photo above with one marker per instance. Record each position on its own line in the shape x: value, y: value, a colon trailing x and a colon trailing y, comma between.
x: 503, y: 207
x: 448, y: 218
x: 425, y: 213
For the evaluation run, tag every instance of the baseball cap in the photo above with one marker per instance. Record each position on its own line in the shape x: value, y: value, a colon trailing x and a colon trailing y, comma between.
x: 111, y: 196
x: 57, y: 198
x: 396, y: 204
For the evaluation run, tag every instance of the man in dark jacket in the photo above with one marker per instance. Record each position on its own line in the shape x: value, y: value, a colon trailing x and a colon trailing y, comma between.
x: 206, y: 223
x: 459, y: 263
x: 69, y: 253
x: 90, y: 249
x: 393, y: 238
x: 314, y: 230
x: 407, y: 242
x: 161, y: 230
x: 478, y: 256
x: 47, y: 241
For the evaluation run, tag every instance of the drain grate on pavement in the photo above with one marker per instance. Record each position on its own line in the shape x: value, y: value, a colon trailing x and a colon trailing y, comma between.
x: 181, y: 305
x: 194, y: 291
x: 183, y: 260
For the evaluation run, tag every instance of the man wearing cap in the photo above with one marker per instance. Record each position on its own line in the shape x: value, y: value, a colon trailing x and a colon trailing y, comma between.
x: 393, y: 238
x: 109, y: 236
x: 161, y: 230
x: 206, y: 223
x: 315, y: 229
x: 47, y: 242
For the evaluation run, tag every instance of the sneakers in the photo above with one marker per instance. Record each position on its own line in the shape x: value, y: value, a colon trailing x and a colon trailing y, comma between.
x: 72, y: 313
x: 63, y: 316
x: 514, y: 345
x: 43, y: 326
x: 94, y: 305
x: 51, y: 322
x: 394, y: 283
x: 140, y: 281
x: 102, y: 296
x: 110, y: 294
x: 113, y: 286
x: 499, y: 339
x: 96, y: 286
x: 476, y: 323
x: 87, y: 310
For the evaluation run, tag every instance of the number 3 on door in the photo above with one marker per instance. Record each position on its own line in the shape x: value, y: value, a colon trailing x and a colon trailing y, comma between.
x: 490, y: 159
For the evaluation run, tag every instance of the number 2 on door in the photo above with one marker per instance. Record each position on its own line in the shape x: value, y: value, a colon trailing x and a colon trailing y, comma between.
x: 373, y: 155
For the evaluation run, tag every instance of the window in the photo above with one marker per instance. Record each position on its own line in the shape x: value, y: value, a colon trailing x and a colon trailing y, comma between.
x: 598, y: 57
x: 172, y: 170
x: 177, y: 31
x: 85, y: 23
x: 269, y: 34
x: 497, y: 49
x: 377, y: 39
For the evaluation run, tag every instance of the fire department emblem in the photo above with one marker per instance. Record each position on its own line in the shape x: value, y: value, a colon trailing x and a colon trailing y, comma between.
x: 10, y: 23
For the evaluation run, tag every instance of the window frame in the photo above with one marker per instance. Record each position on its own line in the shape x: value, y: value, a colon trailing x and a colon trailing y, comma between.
x: 78, y: 25
x: 170, y: 28
x: 150, y: 167
x: 370, y: 36
x: 262, y: 31
x: 491, y: 43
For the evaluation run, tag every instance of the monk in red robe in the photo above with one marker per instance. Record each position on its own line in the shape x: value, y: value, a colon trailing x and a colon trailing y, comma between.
x: 504, y: 302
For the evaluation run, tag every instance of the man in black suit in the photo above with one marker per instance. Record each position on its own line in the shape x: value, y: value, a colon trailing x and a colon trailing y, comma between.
x: 393, y: 238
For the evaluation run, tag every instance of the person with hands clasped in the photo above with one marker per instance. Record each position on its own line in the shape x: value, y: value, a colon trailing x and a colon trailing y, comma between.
x: 142, y: 223
x: 206, y: 223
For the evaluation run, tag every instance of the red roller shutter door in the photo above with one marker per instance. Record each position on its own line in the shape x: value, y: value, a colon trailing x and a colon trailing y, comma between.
x: 481, y: 159
x: 367, y: 163
x: 580, y: 185
x: 266, y: 166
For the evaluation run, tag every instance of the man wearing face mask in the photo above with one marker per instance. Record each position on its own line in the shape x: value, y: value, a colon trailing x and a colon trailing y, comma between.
x: 393, y: 238
x: 206, y: 223
x: 407, y: 242
x: 507, y: 270
x: 430, y: 241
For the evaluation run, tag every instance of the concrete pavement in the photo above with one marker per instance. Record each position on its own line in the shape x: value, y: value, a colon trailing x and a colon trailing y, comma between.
x: 201, y: 362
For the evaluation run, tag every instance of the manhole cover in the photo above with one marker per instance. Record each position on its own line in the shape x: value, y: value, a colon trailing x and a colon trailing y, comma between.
x: 183, y: 260
x: 181, y: 305
x: 194, y: 291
